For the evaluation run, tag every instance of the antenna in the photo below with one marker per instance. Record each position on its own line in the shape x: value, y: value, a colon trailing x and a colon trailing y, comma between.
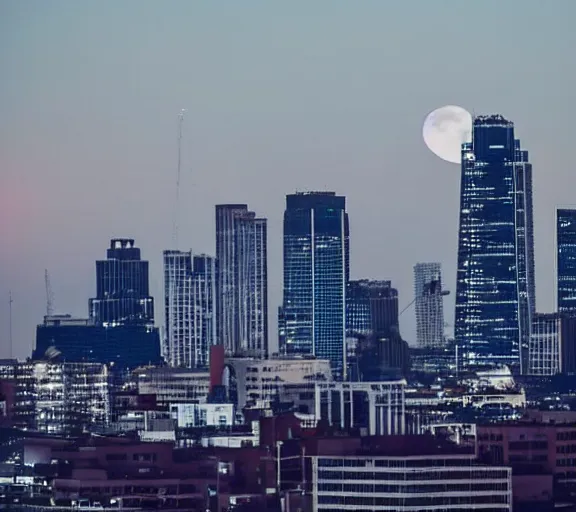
x: 10, y: 301
x: 176, y: 214
x: 49, y: 294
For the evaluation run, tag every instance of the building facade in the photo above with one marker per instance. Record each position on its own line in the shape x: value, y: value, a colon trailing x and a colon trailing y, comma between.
x: 316, y: 274
x: 566, y: 260
x: 495, y: 277
x: 428, y: 305
x: 122, y: 288
x: 189, y: 306
x: 242, y: 280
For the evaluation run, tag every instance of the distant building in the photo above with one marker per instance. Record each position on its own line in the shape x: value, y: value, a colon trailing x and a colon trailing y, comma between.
x: 242, y: 280
x: 173, y: 385
x: 61, y: 398
x: 203, y: 415
x: 78, y: 340
x: 259, y: 383
x: 429, y: 305
x: 566, y: 260
x: 376, y: 408
x: 552, y: 348
x: 316, y: 274
x: 189, y: 306
x: 122, y: 288
x: 495, y: 291
x: 120, y: 328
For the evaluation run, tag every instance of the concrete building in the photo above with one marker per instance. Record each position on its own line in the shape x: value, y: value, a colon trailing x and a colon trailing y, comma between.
x: 203, y: 415
x: 376, y: 408
x: 552, y: 348
x: 258, y: 383
x: 173, y: 385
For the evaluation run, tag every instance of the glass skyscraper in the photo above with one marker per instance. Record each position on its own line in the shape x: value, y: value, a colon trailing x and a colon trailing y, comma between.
x: 316, y: 274
x: 189, y: 305
x: 122, y: 289
x: 241, y: 281
x: 566, y: 260
x: 495, y: 279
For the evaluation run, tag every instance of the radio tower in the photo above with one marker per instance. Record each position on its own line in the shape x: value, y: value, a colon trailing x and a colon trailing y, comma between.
x: 49, y: 294
x: 177, y: 209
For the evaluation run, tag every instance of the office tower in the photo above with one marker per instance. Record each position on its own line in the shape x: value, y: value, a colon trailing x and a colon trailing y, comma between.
x: 120, y: 328
x: 566, y: 260
x: 316, y: 272
x: 189, y: 293
x: 375, y: 348
x: 122, y: 294
x: 371, y: 307
x: 495, y: 279
x: 428, y: 305
x: 242, y: 280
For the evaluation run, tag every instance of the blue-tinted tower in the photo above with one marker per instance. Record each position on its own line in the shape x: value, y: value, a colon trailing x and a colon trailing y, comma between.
x: 495, y: 293
x: 566, y: 260
x: 316, y: 273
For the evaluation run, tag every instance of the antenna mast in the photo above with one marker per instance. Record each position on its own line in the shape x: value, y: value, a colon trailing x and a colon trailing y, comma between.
x: 49, y: 294
x: 177, y: 209
x: 10, y: 301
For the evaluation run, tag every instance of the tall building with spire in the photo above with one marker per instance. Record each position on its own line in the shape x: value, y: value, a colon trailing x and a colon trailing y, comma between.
x: 495, y: 291
x: 189, y: 308
x: 316, y: 275
x: 241, y: 280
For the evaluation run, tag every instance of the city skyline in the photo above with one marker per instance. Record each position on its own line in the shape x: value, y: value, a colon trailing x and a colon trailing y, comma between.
x: 70, y: 162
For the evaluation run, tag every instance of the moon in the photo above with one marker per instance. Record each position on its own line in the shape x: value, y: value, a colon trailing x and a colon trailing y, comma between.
x: 444, y: 131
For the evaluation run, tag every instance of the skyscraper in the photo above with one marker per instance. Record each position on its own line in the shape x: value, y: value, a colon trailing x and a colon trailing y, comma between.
x: 189, y: 306
x: 316, y: 273
x: 122, y: 293
x: 495, y: 279
x: 242, y: 280
x: 428, y: 305
x: 566, y: 260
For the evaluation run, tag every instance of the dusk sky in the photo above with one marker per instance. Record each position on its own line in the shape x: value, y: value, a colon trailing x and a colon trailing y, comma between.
x: 280, y: 96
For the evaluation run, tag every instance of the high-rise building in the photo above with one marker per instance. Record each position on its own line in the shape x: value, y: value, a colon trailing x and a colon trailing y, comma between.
x: 566, y: 260
x: 428, y: 305
x: 242, y: 280
x: 189, y: 307
x: 495, y: 279
x: 122, y: 293
x: 316, y: 273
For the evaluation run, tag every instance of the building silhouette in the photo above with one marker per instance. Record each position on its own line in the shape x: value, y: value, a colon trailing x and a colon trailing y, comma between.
x: 316, y: 273
x: 241, y: 280
x: 566, y: 260
x: 428, y: 305
x: 189, y: 308
x: 495, y: 278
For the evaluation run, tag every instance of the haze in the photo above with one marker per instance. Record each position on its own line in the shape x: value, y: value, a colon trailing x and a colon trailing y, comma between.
x: 279, y: 97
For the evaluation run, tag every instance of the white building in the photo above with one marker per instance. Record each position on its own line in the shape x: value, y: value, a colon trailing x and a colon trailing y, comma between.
x: 203, y: 415
x: 409, y: 483
x: 189, y: 307
x: 428, y: 305
x: 173, y: 385
x: 377, y: 408
x: 254, y: 381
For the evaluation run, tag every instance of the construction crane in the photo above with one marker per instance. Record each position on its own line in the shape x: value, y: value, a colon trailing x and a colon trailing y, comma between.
x: 49, y: 294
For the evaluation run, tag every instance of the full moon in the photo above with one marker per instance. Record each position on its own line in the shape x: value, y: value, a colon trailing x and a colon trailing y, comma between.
x: 444, y: 131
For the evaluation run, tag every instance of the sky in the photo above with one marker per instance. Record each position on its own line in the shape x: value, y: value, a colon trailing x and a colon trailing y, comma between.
x: 280, y: 96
